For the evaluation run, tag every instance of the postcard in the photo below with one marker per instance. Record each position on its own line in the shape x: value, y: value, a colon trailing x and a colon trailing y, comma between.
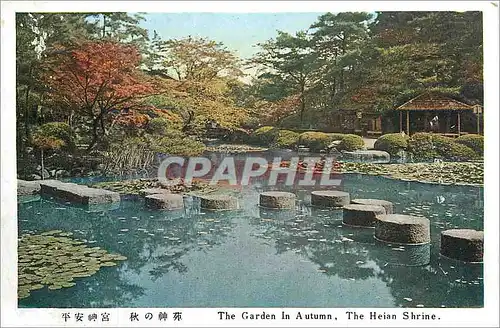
x: 240, y: 164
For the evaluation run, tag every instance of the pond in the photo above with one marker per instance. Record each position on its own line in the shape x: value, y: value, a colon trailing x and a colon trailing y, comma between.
x: 257, y: 258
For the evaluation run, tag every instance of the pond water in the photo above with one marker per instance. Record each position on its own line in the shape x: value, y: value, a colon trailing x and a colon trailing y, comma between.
x: 261, y: 258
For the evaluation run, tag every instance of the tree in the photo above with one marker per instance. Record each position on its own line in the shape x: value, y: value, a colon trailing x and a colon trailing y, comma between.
x: 97, y: 80
x: 36, y: 35
x: 51, y: 137
x: 196, y: 59
x: 343, y: 46
x: 290, y: 58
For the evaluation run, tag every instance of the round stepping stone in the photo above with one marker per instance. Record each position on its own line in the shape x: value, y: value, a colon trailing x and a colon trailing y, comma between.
x: 219, y: 202
x: 463, y: 244
x: 389, y: 207
x: 330, y: 198
x: 358, y: 215
x: 164, y: 201
x: 402, y: 229
x: 154, y: 191
x: 277, y: 199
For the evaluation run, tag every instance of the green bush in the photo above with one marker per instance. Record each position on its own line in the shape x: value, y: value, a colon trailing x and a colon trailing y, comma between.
x: 392, y: 143
x: 427, y: 146
x: 420, y: 145
x: 474, y: 141
x: 287, y: 139
x: 158, y: 126
x: 264, y: 136
x: 351, y: 142
x: 315, y: 141
x: 176, y: 143
x: 57, y: 131
x: 458, y: 152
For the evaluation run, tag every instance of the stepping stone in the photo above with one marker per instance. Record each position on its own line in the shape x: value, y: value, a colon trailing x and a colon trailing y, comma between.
x: 25, y: 188
x: 78, y: 194
x: 358, y: 215
x: 402, y: 229
x: 389, y: 207
x: 330, y: 198
x: 164, y: 201
x: 49, y: 187
x: 463, y: 244
x: 277, y: 199
x: 218, y: 202
x: 153, y: 191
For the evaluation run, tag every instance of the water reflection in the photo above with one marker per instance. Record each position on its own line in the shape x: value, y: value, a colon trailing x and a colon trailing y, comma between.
x: 165, y: 247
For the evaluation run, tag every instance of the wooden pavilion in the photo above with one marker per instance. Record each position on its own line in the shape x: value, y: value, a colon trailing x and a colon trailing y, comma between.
x: 431, y: 112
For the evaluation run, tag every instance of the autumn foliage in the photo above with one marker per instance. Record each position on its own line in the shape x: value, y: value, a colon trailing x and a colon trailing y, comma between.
x: 100, y: 80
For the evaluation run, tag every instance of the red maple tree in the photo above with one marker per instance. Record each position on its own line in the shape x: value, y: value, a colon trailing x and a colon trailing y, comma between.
x: 100, y: 80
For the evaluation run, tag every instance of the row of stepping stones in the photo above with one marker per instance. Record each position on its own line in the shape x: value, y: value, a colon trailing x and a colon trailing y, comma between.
x: 461, y: 244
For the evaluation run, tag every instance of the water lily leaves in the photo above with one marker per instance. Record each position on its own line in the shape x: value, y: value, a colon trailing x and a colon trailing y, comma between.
x: 68, y: 284
x: 54, y: 259
x: 54, y: 287
x: 117, y: 257
x: 36, y: 286
x: 52, y: 232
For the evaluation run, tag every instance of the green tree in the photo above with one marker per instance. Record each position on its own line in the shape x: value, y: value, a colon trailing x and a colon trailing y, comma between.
x: 290, y: 58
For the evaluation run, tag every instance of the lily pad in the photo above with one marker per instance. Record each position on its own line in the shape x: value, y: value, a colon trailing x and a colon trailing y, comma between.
x: 55, y: 287
x: 54, y: 259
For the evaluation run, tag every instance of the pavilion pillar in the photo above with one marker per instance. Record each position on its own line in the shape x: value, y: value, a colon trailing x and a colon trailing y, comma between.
x: 458, y: 123
x: 400, y: 121
x: 477, y: 123
x: 408, y: 122
x: 448, y: 122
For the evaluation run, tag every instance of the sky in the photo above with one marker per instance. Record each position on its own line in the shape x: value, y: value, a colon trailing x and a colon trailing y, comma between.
x: 239, y: 32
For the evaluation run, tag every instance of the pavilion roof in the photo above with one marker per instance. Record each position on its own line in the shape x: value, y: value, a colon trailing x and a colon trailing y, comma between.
x: 430, y: 101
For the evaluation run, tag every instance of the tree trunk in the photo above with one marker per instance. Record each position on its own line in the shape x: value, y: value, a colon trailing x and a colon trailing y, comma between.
x: 42, y: 164
x: 103, y: 26
x: 95, y: 136
x: 103, y: 127
x: 302, y: 102
x: 27, y: 107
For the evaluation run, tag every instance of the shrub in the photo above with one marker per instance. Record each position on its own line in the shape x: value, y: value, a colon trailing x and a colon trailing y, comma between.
x: 459, y: 152
x: 264, y: 136
x: 474, y: 141
x: 351, y: 142
x: 158, y: 125
x: 427, y: 146
x: 392, y: 143
x: 422, y: 147
x: 59, y: 133
x: 176, y: 143
x: 315, y: 141
x: 287, y: 139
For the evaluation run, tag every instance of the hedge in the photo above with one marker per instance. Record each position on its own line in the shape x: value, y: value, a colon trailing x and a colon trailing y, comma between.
x: 474, y: 141
x: 393, y: 143
x: 315, y: 141
x: 428, y: 146
x: 351, y: 142
x: 287, y: 139
x: 264, y: 136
